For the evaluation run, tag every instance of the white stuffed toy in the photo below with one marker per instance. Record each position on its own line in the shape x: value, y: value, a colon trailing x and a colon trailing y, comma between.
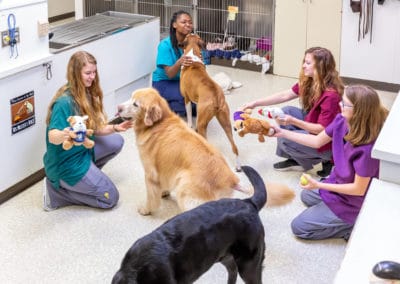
x: 225, y: 82
x: 272, y: 112
x: 78, y: 133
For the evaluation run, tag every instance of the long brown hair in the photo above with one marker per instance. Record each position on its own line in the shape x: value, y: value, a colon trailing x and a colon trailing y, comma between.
x: 325, y: 77
x: 88, y: 100
x: 368, y: 116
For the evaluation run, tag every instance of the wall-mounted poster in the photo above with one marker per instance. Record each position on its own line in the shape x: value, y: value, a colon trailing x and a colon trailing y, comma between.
x: 22, y: 112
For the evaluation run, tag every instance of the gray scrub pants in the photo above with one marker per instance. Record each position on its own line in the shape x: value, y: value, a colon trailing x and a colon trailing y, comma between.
x: 318, y: 222
x: 305, y: 156
x: 95, y: 189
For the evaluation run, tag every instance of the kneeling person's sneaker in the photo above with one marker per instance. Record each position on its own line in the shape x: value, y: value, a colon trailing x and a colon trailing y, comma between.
x: 288, y: 165
x: 46, y: 198
x: 326, y: 169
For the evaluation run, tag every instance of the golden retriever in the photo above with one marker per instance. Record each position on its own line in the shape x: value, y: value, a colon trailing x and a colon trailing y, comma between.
x: 198, y: 87
x: 175, y: 157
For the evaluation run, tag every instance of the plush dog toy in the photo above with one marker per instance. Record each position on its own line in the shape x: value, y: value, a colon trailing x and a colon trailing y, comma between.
x: 78, y: 133
x: 238, y: 119
x: 245, y: 124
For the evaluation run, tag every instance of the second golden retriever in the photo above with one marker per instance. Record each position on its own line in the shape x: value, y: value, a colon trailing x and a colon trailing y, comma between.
x: 198, y: 87
x: 175, y: 157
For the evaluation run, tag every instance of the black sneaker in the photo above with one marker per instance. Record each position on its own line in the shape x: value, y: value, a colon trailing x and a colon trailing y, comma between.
x: 326, y: 169
x: 288, y: 165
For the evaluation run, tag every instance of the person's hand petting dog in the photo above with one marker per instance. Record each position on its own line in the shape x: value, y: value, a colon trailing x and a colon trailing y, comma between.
x: 185, y: 60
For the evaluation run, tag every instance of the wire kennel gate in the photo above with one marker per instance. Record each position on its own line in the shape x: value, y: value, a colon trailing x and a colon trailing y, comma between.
x: 245, y: 33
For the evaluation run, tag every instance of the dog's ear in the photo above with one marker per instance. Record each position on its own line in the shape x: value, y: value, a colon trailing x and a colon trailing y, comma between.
x: 153, y: 114
x: 71, y: 120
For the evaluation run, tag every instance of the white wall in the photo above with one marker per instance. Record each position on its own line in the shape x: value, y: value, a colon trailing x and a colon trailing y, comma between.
x: 57, y: 7
x: 376, y: 61
x: 121, y: 70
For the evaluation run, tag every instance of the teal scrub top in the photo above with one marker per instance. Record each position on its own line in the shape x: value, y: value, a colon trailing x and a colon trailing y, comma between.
x: 166, y: 56
x: 68, y: 165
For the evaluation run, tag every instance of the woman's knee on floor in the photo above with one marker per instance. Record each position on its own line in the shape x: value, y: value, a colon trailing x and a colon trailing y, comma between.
x: 116, y: 143
x: 299, y: 229
x: 100, y: 189
x: 109, y: 197
x: 108, y: 144
x: 310, y: 197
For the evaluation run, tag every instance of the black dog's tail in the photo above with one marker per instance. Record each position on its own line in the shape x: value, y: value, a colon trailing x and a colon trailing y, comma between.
x: 259, y: 197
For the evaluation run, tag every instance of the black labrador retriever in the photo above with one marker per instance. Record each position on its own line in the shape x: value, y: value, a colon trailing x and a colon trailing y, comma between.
x: 229, y: 231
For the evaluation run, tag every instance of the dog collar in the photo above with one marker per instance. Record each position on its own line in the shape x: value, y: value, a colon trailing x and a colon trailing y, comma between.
x: 194, y: 57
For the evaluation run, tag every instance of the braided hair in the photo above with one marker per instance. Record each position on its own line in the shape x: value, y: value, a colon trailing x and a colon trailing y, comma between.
x: 172, y: 30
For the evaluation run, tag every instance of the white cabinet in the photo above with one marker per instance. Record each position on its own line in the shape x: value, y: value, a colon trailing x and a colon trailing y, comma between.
x: 300, y: 24
x: 125, y: 59
x: 378, y: 60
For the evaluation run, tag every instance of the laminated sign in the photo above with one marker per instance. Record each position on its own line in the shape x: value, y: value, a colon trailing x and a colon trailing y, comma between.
x: 232, y: 10
x: 22, y: 112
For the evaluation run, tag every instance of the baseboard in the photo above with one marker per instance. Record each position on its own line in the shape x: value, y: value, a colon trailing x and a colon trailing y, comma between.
x: 21, y: 186
x: 61, y: 17
x: 382, y: 86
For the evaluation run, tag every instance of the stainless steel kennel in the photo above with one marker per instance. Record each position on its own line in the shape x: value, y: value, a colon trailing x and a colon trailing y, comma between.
x: 253, y: 23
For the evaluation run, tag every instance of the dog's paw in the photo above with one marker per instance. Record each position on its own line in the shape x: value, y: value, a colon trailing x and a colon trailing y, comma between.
x: 144, y: 211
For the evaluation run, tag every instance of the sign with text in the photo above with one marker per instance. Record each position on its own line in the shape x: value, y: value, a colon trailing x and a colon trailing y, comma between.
x: 22, y: 112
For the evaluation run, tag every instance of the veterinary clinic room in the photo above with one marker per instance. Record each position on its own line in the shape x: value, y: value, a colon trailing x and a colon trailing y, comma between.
x: 200, y: 141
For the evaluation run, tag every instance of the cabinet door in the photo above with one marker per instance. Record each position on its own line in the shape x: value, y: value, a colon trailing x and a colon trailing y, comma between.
x: 324, y: 24
x: 300, y: 24
x: 289, y: 36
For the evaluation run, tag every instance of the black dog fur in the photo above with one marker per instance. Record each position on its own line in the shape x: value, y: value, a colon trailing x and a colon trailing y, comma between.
x: 229, y: 231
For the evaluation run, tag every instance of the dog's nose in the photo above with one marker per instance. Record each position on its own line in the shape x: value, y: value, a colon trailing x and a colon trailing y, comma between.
x: 119, y: 109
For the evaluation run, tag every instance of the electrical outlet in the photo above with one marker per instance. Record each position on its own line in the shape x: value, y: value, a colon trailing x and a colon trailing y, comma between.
x: 5, y: 37
x: 43, y: 28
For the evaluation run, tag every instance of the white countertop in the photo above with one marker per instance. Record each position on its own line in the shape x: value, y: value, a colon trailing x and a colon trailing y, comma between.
x: 376, y: 235
x: 14, y: 67
x: 387, y: 146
